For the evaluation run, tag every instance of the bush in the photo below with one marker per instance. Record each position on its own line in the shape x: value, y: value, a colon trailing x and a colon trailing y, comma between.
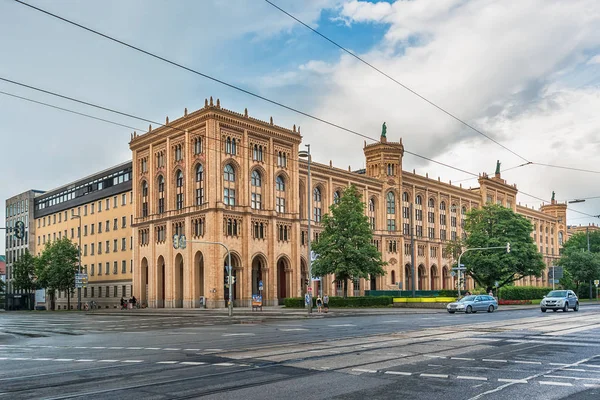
x: 380, y: 301
x: 523, y: 292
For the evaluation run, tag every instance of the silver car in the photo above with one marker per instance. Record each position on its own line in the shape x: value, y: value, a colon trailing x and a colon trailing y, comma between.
x: 472, y: 304
x: 560, y: 300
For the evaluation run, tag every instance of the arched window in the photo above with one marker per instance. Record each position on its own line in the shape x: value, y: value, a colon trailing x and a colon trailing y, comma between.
x: 280, y: 194
x: 391, y: 203
x: 372, y: 214
x: 419, y: 200
x: 560, y: 238
x: 144, y: 199
x: 161, y: 194
x: 256, y: 178
x: 372, y: 205
x: 317, y: 210
x: 180, y: 191
x: 229, y: 185
x: 336, y: 197
x: 197, y: 145
x: 443, y: 206
x: 256, y: 182
x: 405, y: 196
x: 464, y: 210
x: 431, y: 203
x: 199, y: 184
x: 393, y: 277
x: 230, y: 146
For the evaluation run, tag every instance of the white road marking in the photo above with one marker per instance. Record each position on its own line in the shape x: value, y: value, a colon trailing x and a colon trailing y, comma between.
x: 225, y: 364
x: 238, y: 334
x: 576, y: 369
x: 43, y: 359
x: 108, y: 361
x: 134, y: 348
x: 132, y: 361
x: 170, y: 349
x: 576, y: 378
x: 214, y: 350
x: 434, y: 376
x: 462, y: 358
x: 80, y: 347
x: 25, y: 358
x: 528, y: 362
x: 192, y: 349
x: 492, y: 360
x: 192, y: 363
x: 84, y: 360
x: 167, y: 362
x: 98, y: 347
x: 63, y: 359
x: 589, y: 365
x: 558, y: 364
x: 591, y: 385
x: 398, y: 373
x: 473, y: 378
x: 430, y: 356
x: 293, y: 329
x: 341, y: 325
x: 368, y: 371
x: 151, y: 348
x: 555, y: 383
x: 512, y: 380
x: 116, y: 348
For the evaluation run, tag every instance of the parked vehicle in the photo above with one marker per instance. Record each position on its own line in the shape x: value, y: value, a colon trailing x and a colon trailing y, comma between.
x: 472, y: 304
x: 560, y: 300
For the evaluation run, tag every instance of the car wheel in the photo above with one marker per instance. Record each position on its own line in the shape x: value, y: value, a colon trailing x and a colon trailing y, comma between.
x: 576, y: 308
x: 565, y: 308
x: 491, y: 309
x: 451, y: 312
x: 543, y: 310
x: 469, y: 310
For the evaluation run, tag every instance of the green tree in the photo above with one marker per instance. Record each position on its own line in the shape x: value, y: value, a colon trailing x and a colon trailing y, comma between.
x: 2, y: 284
x: 582, y: 266
x: 23, y: 273
x: 495, y: 226
x: 56, y: 268
x: 344, y: 248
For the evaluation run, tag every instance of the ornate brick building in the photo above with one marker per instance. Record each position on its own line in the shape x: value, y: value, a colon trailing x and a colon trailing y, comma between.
x: 220, y: 176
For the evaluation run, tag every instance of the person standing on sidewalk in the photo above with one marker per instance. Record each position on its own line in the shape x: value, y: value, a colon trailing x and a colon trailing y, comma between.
x: 326, y: 303
x: 319, y: 304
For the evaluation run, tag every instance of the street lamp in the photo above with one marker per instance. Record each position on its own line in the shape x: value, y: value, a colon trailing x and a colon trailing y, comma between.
x: 79, y: 253
x: 306, y: 154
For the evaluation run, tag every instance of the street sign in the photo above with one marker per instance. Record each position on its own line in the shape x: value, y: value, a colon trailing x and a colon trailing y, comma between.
x: 309, y: 289
x: 182, y: 242
x: 228, y: 268
x: 496, y: 283
x: 81, y: 280
x: 555, y: 272
x: 175, y: 241
x: 313, y: 256
x: 452, y: 273
x: 596, y: 282
x: 260, y: 285
x: 400, y: 285
x: 316, y: 279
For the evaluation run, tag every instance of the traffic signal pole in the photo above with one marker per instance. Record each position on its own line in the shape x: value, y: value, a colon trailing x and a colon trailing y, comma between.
x: 180, y: 242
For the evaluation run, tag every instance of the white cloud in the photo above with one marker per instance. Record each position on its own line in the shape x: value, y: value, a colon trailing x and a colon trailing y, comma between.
x: 594, y: 60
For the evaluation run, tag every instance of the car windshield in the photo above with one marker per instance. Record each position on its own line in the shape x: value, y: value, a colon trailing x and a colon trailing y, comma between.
x: 557, y: 293
x: 467, y: 298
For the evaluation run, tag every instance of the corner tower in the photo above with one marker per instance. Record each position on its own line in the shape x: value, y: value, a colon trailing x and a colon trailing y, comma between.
x: 384, y: 159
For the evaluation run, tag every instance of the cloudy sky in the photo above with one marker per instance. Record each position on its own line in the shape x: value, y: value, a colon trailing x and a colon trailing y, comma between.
x: 527, y: 73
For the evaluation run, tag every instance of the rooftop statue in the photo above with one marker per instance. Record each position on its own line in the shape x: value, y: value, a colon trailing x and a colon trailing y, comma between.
x: 497, y: 166
x: 383, y: 130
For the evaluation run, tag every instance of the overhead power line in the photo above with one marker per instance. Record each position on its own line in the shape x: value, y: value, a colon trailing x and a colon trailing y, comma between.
x: 546, y: 201
x: 453, y: 116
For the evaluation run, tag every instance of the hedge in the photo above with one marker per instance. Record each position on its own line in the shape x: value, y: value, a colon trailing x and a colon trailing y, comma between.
x: 380, y: 301
x: 523, y: 292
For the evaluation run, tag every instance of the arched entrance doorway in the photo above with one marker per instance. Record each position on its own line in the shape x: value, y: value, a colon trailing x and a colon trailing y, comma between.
x: 144, y: 282
x: 422, y: 277
x: 178, y: 275
x: 236, y: 274
x: 303, y: 276
x: 446, y: 282
x: 408, y: 283
x: 282, y: 280
x: 199, y: 280
x: 259, y: 265
x: 433, y: 272
x: 160, y: 282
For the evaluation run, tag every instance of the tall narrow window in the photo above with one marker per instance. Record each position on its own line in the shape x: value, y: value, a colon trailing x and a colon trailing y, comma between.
x: 144, y: 200
x: 256, y: 183
x: 336, y: 197
x: 161, y: 194
x: 372, y: 213
x: 230, y: 146
x: 197, y: 145
x: 229, y: 185
x: 317, y: 205
x: 178, y: 153
x: 199, y: 184
x: 280, y: 194
x: 180, y: 191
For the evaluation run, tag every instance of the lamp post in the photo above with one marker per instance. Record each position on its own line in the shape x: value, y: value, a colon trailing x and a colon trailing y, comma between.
x: 306, y: 154
x: 587, y: 233
x: 79, y: 254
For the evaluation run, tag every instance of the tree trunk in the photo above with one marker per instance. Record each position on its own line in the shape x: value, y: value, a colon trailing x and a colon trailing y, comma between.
x: 345, y: 288
x: 68, y: 300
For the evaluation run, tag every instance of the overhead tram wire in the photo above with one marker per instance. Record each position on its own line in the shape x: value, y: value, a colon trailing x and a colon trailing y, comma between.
x: 232, y: 86
x: 398, y: 82
x: 528, y: 162
x: 129, y: 115
x: 546, y: 201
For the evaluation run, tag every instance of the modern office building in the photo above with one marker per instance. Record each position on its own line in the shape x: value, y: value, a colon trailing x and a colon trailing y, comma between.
x: 216, y: 175
x: 96, y: 212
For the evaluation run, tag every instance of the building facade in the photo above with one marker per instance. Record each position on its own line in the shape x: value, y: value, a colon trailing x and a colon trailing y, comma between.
x: 95, y: 213
x: 219, y: 176
x: 18, y: 208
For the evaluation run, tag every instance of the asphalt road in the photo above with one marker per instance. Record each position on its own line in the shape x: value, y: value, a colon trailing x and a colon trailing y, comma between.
x: 516, y: 354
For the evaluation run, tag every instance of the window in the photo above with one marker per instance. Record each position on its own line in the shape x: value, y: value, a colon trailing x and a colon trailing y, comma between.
x: 336, y: 197
x: 421, y: 250
x: 560, y: 238
x: 92, y: 208
x: 229, y: 183
x: 419, y: 230
x: 178, y: 153
x: 391, y: 203
x: 198, y: 227
x: 123, y: 271
x: 280, y: 195
x: 405, y: 197
x: 442, y: 234
x: 85, y: 249
x: 107, y: 226
x: 431, y: 233
x: 199, y: 184
x: 406, y: 229
x: 92, y: 270
x: 392, y: 246
x: 419, y: 215
x: 115, y: 224
x: 284, y: 232
x: 257, y: 153
x: 123, y: 244
x: 123, y: 222
x: 391, y: 225
x: 144, y: 165
x: 372, y: 214
x: 317, y: 210
x: 197, y: 146
x: 433, y: 251
x: 161, y: 194
x: 144, y: 200
x: 107, y: 204
x: 230, y: 146
x: 418, y: 200
x: 405, y: 212
x: 232, y: 227
x: 115, y: 270
x: 107, y: 271
x: 406, y: 249
x: 281, y: 159
x: 179, y: 184
x: 92, y: 248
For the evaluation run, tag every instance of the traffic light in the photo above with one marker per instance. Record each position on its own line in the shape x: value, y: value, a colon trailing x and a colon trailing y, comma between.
x: 508, y: 247
x: 227, y: 280
x: 175, y: 241
x: 232, y: 280
x: 306, y: 282
x: 19, y: 230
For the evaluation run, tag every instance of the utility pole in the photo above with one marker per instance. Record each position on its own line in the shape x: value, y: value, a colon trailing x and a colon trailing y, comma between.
x: 79, y: 256
x: 587, y: 233
x: 306, y: 154
x: 412, y: 250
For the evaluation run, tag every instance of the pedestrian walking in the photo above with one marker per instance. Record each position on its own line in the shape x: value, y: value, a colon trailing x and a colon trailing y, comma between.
x: 319, y: 304
x: 326, y: 303
x: 123, y: 304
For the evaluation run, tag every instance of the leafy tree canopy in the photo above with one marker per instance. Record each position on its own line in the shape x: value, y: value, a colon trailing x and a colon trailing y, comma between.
x: 57, y: 265
x: 23, y: 272
x: 344, y: 248
x: 582, y: 266
x: 495, y: 226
